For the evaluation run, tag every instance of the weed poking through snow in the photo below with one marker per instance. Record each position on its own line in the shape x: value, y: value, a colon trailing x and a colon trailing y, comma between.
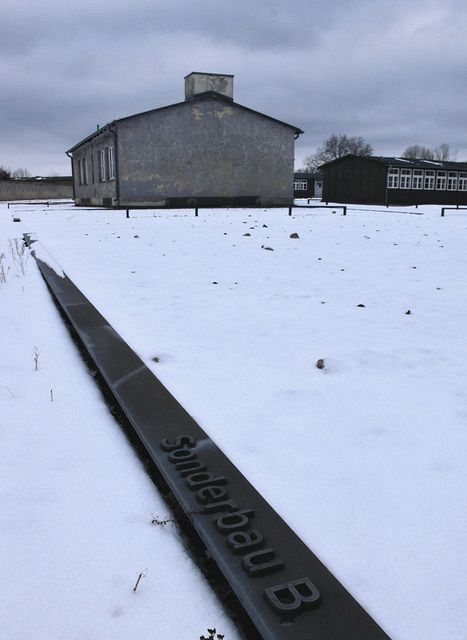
x: 143, y: 574
x: 35, y: 357
x: 3, y: 270
x: 19, y: 255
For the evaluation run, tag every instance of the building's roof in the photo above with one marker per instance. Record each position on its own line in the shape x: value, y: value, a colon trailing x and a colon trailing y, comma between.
x: 207, y: 73
x: 315, y: 175
x: 390, y: 161
x: 197, y: 98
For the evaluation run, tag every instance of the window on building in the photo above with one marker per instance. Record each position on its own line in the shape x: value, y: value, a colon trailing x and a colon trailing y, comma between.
x: 393, y: 179
x: 406, y: 178
x: 300, y: 185
x: 417, y: 179
x: 462, y: 180
x: 429, y: 179
x: 82, y: 171
x: 92, y: 169
x: 102, y: 166
x: 441, y: 180
x: 452, y: 181
x: 111, y: 163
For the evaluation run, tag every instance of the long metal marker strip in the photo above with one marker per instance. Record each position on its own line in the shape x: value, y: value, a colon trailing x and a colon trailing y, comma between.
x: 285, y: 589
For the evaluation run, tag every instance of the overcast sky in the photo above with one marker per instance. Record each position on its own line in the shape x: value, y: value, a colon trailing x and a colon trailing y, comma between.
x: 392, y: 71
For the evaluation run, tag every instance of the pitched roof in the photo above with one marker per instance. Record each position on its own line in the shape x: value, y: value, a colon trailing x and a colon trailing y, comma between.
x: 197, y: 98
x: 391, y: 161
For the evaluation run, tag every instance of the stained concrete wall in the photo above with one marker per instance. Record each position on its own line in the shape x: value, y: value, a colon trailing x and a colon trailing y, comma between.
x: 206, y: 148
x: 34, y: 190
x: 94, y: 192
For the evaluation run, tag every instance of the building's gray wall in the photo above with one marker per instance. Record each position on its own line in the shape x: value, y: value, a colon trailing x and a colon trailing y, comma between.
x: 206, y: 148
x: 94, y: 192
x: 34, y: 190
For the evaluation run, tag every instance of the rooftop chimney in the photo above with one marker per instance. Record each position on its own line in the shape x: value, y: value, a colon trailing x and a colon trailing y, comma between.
x: 196, y: 83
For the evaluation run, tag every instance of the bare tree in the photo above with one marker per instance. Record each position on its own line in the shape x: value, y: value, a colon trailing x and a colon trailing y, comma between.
x: 418, y: 152
x: 5, y: 173
x: 337, y: 146
x: 21, y: 172
x: 443, y: 152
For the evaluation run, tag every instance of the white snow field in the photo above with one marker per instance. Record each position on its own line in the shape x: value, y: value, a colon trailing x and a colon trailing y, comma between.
x: 365, y: 459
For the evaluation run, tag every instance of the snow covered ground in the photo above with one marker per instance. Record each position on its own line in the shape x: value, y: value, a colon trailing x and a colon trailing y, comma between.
x: 365, y: 458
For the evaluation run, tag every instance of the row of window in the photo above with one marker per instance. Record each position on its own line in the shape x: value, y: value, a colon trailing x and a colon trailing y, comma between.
x: 427, y: 179
x: 105, y: 166
x: 300, y: 185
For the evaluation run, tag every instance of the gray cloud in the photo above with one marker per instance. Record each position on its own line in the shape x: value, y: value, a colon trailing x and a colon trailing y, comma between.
x: 393, y: 72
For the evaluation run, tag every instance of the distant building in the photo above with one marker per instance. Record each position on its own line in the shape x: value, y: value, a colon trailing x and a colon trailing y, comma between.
x: 307, y: 185
x: 394, y: 181
x: 207, y: 150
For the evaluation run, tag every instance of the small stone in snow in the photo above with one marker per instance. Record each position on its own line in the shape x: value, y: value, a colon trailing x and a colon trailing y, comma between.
x: 155, y: 359
x: 135, y: 236
x: 265, y: 225
x: 320, y: 363
x: 214, y: 282
x: 16, y: 219
x: 268, y: 248
x: 408, y: 312
x: 294, y: 235
x: 361, y: 305
x: 247, y: 234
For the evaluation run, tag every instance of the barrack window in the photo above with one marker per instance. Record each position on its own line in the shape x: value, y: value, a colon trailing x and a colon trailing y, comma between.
x: 111, y: 163
x: 429, y: 179
x: 462, y: 180
x: 406, y: 178
x: 83, y: 171
x: 393, y: 179
x: 417, y: 179
x: 102, y: 166
x: 452, y: 181
x: 441, y: 181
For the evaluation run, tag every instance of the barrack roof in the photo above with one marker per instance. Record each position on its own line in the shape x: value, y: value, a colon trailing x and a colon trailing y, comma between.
x: 409, y: 163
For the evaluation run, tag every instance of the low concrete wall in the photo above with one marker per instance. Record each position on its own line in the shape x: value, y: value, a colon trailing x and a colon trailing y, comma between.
x: 34, y: 190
